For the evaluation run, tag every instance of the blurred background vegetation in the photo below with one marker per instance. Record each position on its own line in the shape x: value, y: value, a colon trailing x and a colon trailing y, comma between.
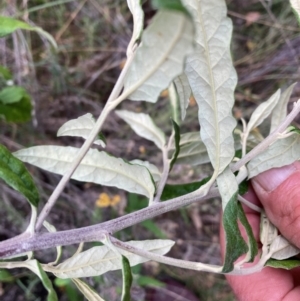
x: 92, y: 36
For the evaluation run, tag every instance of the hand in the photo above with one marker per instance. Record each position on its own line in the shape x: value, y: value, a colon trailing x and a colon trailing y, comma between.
x: 278, y: 192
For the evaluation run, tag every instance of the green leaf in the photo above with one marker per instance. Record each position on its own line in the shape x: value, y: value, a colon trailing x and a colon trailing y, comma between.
x: 14, y: 173
x: 89, y: 293
x: 5, y: 73
x: 235, y: 244
x: 149, y: 282
x: 96, y: 167
x: 99, y: 260
x: 286, y: 264
x: 176, y: 129
x: 153, y: 228
x: 169, y: 4
x: 9, y: 25
x: 174, y: 191
x: 36, y: 268
x: 69, y: 289
x: 294, y: 129
x: 6, y: 276
x: 12, y: 94
x: 243, y: 187
x: 252, y: 244
x: 160, y: 56
x: 17, y: 112
x: 127, y: 279
x: 213, y: 79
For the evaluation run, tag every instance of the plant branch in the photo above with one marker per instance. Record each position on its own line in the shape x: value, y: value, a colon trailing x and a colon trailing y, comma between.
x: 269, y: 139
x: 249, y: 204
x: 97, y: 232
x: 197, y: 266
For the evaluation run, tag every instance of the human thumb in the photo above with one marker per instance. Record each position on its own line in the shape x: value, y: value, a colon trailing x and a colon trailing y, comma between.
x: 279, y: 192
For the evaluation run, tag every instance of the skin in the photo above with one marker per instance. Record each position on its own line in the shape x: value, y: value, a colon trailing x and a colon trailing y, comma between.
x: 278, y: 192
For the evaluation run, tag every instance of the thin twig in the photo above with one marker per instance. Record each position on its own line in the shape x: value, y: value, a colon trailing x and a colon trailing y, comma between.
x: 269, y: 139
x: 249, y: 204
x: 164, y: 176
x: 85, y: 147
x: 167, y: 260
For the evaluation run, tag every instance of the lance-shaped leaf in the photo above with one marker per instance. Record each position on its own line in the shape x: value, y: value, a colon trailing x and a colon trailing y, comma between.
x: 174, y: 102
x: 156, y: 174
x: 160, y: 56
x: 14, y: 173
x: 286, y: 264
x: 97, y: 167
x: 280, y: 110
x: 193, y: 151
x: 138, y: 22
x: 99, y: 260
x: 184, y: 92
x: 235, y: 244
x: 282, y: 152
x: 252, y: 244
x: 213, y: 79
x: 282, y: 249
x: 6, y: 276
x: 127, y: 279
x: 144, y: 126
x: 263, y: 111
x: 80, y: 127
x: 89, y: 293
x: 9, y: 25
x: 176, y: 130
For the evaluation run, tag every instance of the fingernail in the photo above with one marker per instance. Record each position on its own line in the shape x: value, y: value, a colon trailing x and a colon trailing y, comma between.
x: 271, y: 179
